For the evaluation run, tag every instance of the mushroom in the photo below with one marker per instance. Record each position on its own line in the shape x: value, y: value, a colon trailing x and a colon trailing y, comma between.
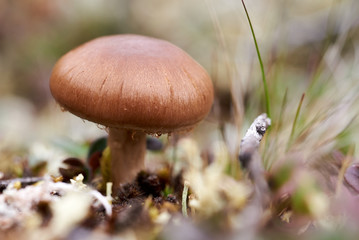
x: 134, y: 85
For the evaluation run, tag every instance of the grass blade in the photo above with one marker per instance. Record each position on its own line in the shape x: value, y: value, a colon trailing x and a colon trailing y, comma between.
x: 295, y: 120
x: 260, y: 62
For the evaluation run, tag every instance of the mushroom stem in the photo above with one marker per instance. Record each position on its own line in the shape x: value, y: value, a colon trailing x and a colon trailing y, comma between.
x: 128, y: 150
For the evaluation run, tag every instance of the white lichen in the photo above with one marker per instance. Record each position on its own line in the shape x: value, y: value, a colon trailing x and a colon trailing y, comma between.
x: 17, y: 205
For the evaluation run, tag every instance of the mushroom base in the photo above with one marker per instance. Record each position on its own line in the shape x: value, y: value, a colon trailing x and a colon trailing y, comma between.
x: 128, y: 149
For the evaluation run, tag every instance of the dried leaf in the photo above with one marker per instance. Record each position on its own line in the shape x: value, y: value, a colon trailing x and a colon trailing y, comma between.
x: 74, y: 167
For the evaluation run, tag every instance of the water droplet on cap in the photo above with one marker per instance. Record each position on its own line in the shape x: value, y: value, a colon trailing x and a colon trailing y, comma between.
x: 62, y: 109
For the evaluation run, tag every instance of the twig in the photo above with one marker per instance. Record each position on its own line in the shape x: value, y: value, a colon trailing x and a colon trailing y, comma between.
x: 184, y: 199
x: 252, y: 138
x: 250, y: 158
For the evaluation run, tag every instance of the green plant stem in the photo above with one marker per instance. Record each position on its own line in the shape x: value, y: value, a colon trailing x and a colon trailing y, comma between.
x: 260, y: 62
x: 282, y: 108
x: 279, y: 122
x: 295, y: 120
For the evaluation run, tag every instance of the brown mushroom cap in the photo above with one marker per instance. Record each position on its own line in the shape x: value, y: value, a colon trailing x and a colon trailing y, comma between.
x: 133, y: 82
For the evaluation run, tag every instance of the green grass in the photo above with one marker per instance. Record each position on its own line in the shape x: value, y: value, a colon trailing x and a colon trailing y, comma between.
x: 295, y: 121
x: 264, y: 81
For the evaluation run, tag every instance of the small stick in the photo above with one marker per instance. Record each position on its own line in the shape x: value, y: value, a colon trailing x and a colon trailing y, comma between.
x: 252, y: 138
x: 184, y: 199
x: 250, y: 158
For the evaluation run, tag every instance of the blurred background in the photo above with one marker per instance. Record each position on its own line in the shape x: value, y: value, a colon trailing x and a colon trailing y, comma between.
x: 307, y: 47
